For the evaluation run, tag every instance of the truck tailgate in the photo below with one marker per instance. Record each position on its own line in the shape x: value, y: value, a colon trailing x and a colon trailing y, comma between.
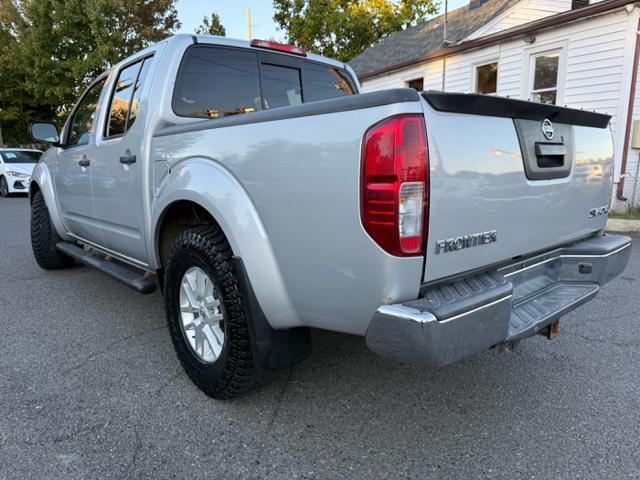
x: 511, y: 178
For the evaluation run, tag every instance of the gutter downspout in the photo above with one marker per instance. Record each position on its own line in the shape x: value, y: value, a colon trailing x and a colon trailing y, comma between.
x: 444, y: 72
x: 627, y: 134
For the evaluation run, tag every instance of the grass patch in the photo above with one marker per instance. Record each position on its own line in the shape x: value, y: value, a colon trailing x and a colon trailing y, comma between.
x: 631, y: 214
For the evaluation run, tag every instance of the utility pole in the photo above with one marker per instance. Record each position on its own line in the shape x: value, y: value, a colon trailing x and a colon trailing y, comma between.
x: 444, y: 27
x: 249, y: 22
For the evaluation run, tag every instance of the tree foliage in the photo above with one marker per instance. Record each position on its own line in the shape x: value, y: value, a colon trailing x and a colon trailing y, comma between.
x: 51, y: 49
x: 342, y: 29
x: 211, y: 26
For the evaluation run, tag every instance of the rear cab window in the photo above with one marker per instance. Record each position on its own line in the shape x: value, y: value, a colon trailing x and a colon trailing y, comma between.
x: 218, y: 81
x: 281, y: 86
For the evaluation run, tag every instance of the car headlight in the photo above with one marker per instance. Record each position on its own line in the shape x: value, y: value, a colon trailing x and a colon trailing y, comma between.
x: 16, y: 174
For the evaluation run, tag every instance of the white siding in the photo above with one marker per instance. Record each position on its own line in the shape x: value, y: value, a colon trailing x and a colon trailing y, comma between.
x: 632, y: 179
x: 597, y: 58
x: 521, y: 13
x: 431, y: 73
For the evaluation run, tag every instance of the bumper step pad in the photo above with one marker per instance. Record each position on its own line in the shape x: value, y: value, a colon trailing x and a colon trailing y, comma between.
x: 531, y: 315
x: 468, y: 315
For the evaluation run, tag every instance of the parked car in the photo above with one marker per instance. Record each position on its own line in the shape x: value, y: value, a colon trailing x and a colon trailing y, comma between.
x: 16, y: 168
x: 266, y: 196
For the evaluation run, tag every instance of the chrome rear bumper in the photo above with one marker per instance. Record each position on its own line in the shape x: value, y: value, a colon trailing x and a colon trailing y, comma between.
x: 468, y: 315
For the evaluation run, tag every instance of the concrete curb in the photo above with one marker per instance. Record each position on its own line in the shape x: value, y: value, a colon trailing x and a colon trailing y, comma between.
x: 621, y: 225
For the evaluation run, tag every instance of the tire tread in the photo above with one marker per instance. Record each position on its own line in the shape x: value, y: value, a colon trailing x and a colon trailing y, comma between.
x: 44, y: 238
x: 240, y: 373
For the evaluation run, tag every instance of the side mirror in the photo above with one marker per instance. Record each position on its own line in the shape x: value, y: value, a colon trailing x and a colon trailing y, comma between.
x: 45, y: 132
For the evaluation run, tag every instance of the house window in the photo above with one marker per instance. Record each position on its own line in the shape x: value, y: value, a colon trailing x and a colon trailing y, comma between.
x: 487, y: 78
x: 416, y: 84
x: 544, y: 84
x: 576, y: 4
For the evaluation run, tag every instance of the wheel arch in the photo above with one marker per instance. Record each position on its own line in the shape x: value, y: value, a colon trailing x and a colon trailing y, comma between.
x: 208, y: 191
x: 33, y: 188
x: 41, y: 181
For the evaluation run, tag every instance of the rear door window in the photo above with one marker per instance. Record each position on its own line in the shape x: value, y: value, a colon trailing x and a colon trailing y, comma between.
x: 217, y: 82
x: 126, y: 98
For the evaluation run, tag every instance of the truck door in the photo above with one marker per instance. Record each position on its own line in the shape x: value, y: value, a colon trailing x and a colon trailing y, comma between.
x: 117, y: 172
x: 73, y: 166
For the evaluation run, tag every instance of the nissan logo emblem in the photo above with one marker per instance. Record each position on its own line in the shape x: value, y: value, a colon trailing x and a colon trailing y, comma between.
x: 547, y: 129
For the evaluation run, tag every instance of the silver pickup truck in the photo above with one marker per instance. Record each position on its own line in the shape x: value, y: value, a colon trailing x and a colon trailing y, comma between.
x: 266, y: 196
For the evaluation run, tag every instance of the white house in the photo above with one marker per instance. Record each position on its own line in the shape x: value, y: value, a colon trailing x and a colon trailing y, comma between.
x: 580, y: 53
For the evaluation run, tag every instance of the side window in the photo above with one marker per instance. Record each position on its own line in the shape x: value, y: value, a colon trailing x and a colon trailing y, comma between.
x: 544, y: 81
x: 216, y: 82
x: 417, y: 84
x: 126, y: 98
x: 487, y: 78
x: 81, y: 124
x: 137, y: 92
x: 323, y: 82
x: 281, y: 86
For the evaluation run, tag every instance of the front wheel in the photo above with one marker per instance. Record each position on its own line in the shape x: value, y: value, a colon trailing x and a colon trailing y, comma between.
x: 4, y: 187
x: 44, y: 237
x: 205, y: 313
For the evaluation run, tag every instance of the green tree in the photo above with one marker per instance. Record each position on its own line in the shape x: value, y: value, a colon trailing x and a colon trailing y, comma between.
x: 342, y: 29
x: 51, y: 49
x: 211, y: 26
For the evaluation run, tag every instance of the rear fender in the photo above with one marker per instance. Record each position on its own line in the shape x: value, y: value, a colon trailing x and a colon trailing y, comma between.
x: 210, y: 185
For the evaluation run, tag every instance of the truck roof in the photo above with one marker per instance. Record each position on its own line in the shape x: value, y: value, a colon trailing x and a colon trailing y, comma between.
x: 233, y: 42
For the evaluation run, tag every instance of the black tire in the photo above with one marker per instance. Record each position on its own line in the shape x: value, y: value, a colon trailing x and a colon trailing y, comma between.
x: 4, y: 187
x: 44, y: 237
x: 234, y: 371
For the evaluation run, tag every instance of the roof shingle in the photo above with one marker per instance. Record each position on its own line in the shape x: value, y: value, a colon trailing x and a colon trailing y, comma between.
x: 420, y: 40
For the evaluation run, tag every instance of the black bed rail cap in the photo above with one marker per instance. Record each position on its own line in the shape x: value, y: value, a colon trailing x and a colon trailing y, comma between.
x: 490, y: 106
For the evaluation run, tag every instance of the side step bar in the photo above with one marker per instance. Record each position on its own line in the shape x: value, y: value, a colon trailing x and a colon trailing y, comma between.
x: 130, y: 278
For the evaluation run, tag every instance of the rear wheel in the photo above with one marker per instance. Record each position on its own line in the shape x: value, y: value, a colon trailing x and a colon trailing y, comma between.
x: 44, y: 237
x: 4, y: 187
x: 205, y: 313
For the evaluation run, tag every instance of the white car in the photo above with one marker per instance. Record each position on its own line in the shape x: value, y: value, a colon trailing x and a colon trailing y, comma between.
x: 16, y: 167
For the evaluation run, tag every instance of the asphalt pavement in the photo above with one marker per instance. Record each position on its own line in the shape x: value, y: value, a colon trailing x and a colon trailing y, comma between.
x: 90, y: 388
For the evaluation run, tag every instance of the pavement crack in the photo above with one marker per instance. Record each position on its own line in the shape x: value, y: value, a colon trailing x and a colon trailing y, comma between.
x: 134, y: 457
x: 274, y: 414
x: 606, y: 341
x: 109, y: 347
x: 276, y: 410
x: 167, y: 384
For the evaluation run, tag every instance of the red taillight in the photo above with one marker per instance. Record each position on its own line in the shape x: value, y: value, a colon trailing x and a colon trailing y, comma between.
x: 395, y: 184
x: 280, y: 47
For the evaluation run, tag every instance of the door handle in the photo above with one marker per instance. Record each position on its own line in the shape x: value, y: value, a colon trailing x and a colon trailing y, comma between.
x: 84, y: 162
x: 127, y: 158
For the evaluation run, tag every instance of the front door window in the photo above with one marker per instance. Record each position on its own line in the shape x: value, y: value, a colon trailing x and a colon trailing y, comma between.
x: 81, y: 124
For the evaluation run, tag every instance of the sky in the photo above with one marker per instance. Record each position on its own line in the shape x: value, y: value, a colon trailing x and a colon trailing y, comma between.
x: 233, y: 16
